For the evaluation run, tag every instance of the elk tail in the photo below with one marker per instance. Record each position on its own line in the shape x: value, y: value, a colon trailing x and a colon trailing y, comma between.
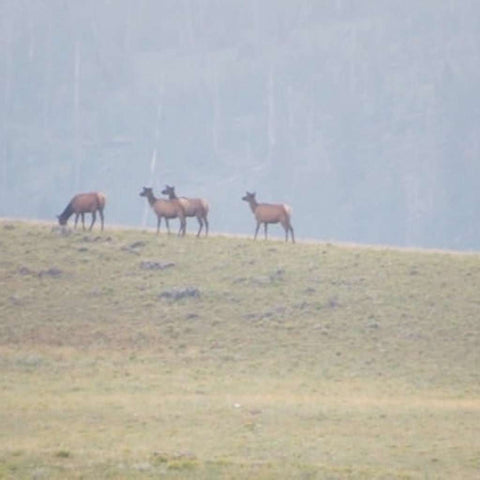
x: 101, y: 199
x: 288, y: 210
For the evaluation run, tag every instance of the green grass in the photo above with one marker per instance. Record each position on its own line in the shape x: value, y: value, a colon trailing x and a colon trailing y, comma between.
x: 312, y: 360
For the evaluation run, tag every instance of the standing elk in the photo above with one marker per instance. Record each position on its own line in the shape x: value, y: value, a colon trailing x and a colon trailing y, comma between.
x: 270, y: 213
x: 194, y: 207
x: 81, y: 204
x: 166, y: 209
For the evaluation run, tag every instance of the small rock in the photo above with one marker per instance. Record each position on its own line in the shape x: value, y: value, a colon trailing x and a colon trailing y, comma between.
x: 51, y: 272
x: 25, y: 271
x: 302, y: 305
x: 62, y: 230
x: 333, y: 302
x: 138, y: 244
x: 149, y: 265
x: 133, y: 247
x: 277, y: 275
x: 16, y: 300
x: 142, y: 467
x: 239, y: 280
x: 180, y: 293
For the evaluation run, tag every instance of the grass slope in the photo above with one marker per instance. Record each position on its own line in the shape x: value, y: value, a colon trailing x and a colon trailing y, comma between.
x: 127, y: 355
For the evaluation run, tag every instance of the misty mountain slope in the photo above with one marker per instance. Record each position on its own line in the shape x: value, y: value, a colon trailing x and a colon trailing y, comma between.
x: 362, y: 116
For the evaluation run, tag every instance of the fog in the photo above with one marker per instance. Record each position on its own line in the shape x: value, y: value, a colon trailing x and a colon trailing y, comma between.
x: 363, y: 115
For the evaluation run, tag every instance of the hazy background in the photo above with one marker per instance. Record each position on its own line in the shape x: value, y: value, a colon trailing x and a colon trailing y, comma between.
x: 364, y: 115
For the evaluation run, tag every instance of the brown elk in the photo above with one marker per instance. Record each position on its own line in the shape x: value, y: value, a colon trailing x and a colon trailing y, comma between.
x: 166, y: 209
x: 270, y: 213
x: 81, y: 204
x: 194, y: 207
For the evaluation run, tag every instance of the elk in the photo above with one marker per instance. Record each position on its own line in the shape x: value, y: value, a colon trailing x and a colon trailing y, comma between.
x: 270, y: 213
x: 81, y: 204
x: 166, y: 209
x: 194, y: 207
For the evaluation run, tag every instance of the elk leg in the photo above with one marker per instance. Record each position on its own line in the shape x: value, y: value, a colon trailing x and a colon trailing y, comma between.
x: 168, y: 225
x: 76, y: 219
x: 183, y: 227
x: 94, y: 217
x: 180, y: 228
x: 256, y: 230
x: 286, y: 227
x: 200, y: 223
x: 265, y: 228
x: 159, y: 221
x: 206, y: 226
x: 83, y: 220
x: 101, y: 217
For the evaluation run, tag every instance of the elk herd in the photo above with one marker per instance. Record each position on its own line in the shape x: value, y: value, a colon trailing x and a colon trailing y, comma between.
x: 173, y: 207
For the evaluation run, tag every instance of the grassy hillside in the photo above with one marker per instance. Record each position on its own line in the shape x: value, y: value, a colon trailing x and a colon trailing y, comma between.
x: 126, y: 355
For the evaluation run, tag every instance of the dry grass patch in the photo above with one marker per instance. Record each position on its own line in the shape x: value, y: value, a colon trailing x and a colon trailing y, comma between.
x: 311, y: 360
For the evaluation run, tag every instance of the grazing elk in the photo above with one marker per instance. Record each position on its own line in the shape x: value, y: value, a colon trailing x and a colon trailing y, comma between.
x: 270, y: 213
x: 166, y: 209
x: 194, y: 207
x: 81, y: 204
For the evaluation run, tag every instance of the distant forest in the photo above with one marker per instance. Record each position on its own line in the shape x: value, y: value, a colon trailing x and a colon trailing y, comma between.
x: 364, y: 116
